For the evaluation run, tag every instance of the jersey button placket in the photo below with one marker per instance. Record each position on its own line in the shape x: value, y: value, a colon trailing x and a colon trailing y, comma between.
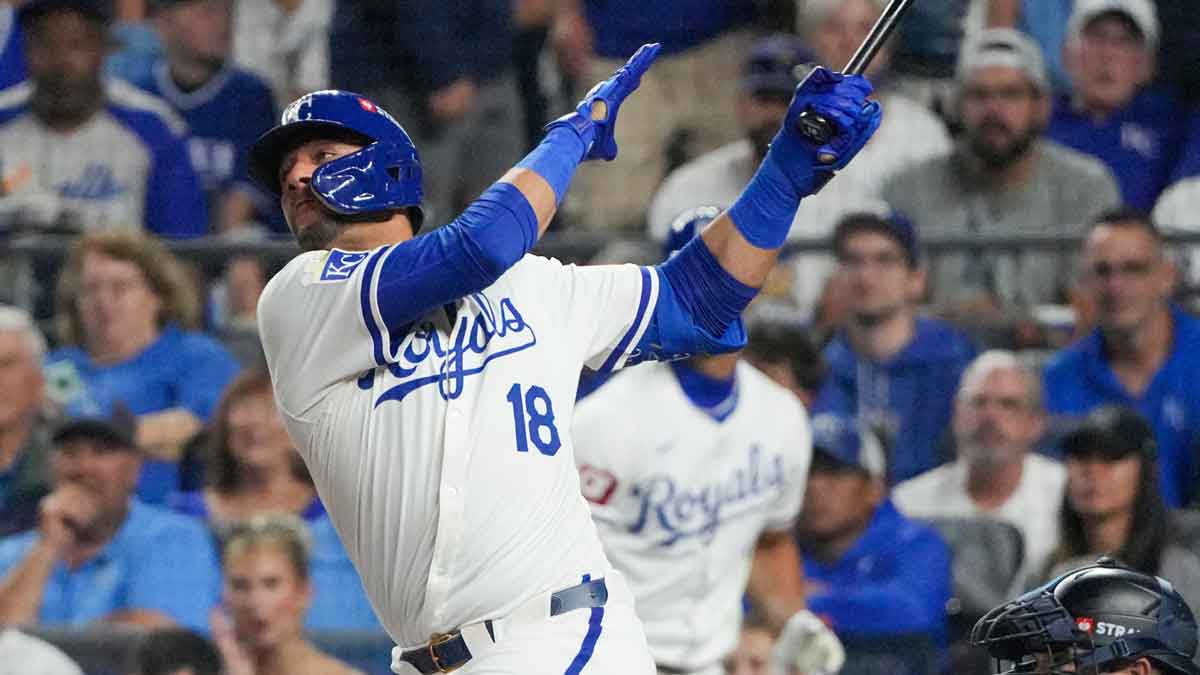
x: 450, y: 512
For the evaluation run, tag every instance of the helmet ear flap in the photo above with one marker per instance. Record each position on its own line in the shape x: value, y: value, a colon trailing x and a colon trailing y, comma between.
x: 379, y: 177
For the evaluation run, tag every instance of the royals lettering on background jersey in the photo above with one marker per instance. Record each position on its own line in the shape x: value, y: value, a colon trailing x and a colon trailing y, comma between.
x: 681, y: 499
x: 442, y: 447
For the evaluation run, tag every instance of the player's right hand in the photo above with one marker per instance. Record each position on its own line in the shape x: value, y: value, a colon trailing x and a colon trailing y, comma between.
x: 597, y: 112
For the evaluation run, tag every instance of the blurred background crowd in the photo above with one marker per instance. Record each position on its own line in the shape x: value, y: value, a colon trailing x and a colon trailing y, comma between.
x: 999, y: 289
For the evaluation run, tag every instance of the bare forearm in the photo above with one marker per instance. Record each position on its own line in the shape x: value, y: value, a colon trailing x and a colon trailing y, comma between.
x: 776, y: 585
x: 742, y: 260
x: 22, y: 590
x: 537, y: 191
x: 162, y: 434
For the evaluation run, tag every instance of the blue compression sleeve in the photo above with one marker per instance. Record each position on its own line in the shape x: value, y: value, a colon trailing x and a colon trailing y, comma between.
x: 764, y: 212
x: 463, y: 257
x: 558, y: 155
x: 698, y: 310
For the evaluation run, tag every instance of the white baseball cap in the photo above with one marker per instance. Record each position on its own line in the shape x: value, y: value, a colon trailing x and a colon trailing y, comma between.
x: 1140, y: 12
x: 1003, y: 47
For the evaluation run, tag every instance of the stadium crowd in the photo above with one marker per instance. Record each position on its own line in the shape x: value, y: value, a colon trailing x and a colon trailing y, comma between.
x: 987, y: 315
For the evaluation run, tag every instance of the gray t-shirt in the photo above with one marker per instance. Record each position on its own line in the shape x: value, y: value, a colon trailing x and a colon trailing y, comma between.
x: 942, y: 198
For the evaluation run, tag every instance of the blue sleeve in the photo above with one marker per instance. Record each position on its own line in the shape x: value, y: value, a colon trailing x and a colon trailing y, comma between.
x: 463, y: 257
x: 339, y: 601
x: 175, y: 206
x: 698, y: 310
x: 205, y: 368
x: 179, y: 577
x: 832, y: 397
x: 912, y: 600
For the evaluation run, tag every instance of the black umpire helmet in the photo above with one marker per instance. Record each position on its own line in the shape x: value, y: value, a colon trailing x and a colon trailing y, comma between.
x: 1092, y: 620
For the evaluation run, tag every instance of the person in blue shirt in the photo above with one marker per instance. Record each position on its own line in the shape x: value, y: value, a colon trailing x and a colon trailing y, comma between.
x: 1144, y: 352
x: 98, y: 553
x: 253, y: 468
x: 889, y: 367
x: 1111, y: 113
x: 12, y: 56
x: 873, y: 572
x: 126, y: 311
x: 83, y: 153
x: 226, y: 108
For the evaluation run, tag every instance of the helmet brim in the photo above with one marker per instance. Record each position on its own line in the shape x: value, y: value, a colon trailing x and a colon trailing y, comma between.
x: 266, y: 155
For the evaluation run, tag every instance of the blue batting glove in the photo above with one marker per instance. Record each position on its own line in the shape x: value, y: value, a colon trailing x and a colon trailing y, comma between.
x: 595, y: 117
x: 840, y: 99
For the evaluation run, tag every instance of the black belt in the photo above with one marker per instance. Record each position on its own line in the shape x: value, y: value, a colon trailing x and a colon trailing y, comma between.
x: 449, y: 652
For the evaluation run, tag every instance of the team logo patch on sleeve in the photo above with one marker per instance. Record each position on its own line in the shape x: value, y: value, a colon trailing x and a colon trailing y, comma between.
x: 340, y: 264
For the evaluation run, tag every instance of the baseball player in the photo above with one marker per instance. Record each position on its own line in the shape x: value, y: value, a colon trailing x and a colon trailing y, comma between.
x: 1103, y: 619
x: 695, y: 471
x: 428, y: 381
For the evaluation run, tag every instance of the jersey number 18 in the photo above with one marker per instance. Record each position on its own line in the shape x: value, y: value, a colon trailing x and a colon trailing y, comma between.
x: 535, y: 404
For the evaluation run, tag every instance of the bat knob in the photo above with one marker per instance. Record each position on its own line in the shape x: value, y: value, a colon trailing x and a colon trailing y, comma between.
x: 818, y: 131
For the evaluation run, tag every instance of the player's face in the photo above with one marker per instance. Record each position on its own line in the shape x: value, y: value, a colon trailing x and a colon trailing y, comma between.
x: 752, y: 656
x: 65, y: 52
x: 265, y: 597
x: 879, y: 280
x: 994, y: 419
x: 837, y: 37
x: 1128, y: 277
x: 1098, y: 487
x: 115, y: 301
x: 314, y: 226
x: 257, y: 437
x: 1109, y: 63
x: 107, y: 475
x: 20, y: 379
x: 1002, y: 114
x: 198, y: 30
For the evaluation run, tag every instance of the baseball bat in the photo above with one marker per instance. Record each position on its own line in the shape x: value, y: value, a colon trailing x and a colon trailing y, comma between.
x: 815, y: 128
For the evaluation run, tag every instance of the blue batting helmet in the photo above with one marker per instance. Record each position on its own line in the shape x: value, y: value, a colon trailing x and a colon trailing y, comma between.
x: 384, y: 175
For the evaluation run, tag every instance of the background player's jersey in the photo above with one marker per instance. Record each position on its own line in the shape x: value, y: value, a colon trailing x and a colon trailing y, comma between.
x: 681, y: 499
x: 126, y: 167
x: 442, y: 449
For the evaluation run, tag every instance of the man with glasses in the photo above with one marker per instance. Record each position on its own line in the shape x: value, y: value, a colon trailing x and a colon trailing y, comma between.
x: 1111, y: 114
x: 1145, y: 351
x: 1002, y: 180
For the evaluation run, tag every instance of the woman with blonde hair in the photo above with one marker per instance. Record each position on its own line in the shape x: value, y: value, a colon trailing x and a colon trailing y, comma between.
x: 259, y: 629
x: 127, y: 316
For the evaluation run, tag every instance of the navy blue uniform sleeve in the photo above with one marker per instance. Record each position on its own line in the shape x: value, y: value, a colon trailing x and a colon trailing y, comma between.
x: 175, y: 206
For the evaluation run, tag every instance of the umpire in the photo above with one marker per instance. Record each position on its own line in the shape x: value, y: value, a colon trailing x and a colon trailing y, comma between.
x: 1103, y: 619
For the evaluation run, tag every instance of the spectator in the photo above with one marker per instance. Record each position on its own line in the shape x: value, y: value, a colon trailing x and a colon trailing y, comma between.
x: 266, y: 593
x: 1143, y: 354
x: 87, y: 154
x: 225, y: 107
x: 24, y: 432
x: 286, y: 43
x: 22, y: 654
x: 125, y: 314
x: 1113, y: 505
x: 998, y: 417
x: 909, y: 133
x: 787, y: 355
x: 1189, y: 157
x: 12, y: 56
x: 175, y: 651
x: 253, y: 469
x: 1110, y: 113
x: 752, y: 656
x: 98, y: 552
x: 235, y: 307
x: 1176, y: 212
x: 874, y: 572
x: 445, y: 70
x: 889, y: 367
x: 1001, y: 180
x: 687, y: 100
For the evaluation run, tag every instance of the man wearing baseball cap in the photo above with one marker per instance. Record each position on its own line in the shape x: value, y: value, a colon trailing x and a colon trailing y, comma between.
x: 98, y: 553
x: 873, y: 572
x: 1110, y: 113
x: 1002, y: 180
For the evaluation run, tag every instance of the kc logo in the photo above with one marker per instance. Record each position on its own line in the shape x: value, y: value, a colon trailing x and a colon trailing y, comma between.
x: 340, y: 264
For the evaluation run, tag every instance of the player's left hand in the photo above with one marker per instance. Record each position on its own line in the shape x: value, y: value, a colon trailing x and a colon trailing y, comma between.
x: 807, y: 645
x: 598, y: 109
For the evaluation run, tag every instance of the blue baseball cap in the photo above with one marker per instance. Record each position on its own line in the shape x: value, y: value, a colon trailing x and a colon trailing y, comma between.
x: 847, y: 443
x: 686, y: 226
x: 116, y: 432
x: 891, y: 224
x: 776, y: 64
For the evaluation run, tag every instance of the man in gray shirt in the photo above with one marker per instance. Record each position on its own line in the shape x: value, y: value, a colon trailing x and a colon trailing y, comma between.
x: 1002, y: 179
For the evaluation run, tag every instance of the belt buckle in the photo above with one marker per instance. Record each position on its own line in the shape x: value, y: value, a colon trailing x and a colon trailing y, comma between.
x: 440, y: 639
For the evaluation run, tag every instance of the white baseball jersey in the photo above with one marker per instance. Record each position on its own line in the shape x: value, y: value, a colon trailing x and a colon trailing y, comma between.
x: 681, y: 499
x: 442, y: 449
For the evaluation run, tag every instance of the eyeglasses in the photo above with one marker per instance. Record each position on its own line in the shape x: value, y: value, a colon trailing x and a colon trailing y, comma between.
x: 1135, y: 269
